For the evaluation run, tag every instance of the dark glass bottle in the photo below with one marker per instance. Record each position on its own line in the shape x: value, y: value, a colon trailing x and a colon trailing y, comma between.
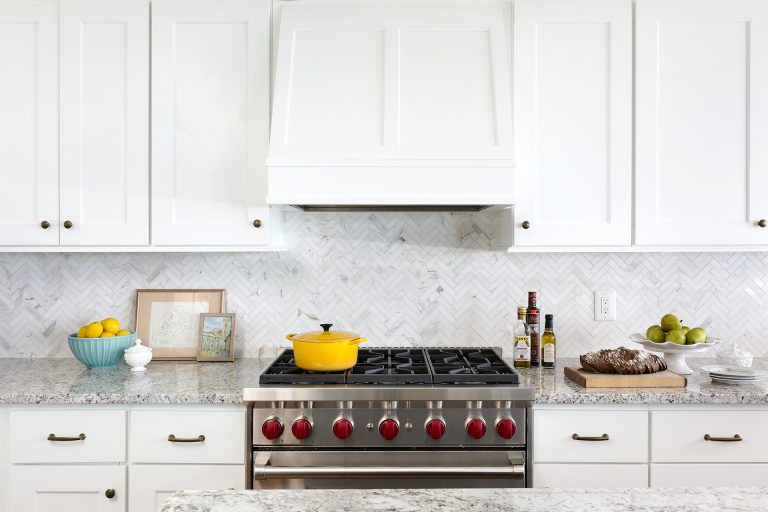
x: 532, y: 319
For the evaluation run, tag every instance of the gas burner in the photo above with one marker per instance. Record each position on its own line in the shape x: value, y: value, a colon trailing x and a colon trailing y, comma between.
x: 402, y: 366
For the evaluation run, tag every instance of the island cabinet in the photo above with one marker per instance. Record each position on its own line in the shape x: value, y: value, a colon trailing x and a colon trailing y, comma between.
x: 653, y: 445
x: 75, y: 458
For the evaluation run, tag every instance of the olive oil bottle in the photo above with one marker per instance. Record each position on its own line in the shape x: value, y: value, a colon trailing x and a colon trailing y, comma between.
x: 548, y: 343
x: 522, y: 340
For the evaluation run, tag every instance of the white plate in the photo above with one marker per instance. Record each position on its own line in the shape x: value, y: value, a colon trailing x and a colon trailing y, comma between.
x: 735, y: 381
x: 733, y: 372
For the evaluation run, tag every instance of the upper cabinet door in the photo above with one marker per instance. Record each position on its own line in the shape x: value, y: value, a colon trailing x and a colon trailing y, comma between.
x: 210, y: 122
x: 573, y: 122
x: 29, y: 166
x: 702, y: 122
x: 104, y: 122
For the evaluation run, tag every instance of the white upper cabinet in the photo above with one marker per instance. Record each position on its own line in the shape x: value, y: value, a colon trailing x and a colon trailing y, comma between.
x: 702, y: 122
x: 391, y: 103
x: 210, y: 122
x: 104, y: 121
x: 29, y: 168
x: 573, y: 122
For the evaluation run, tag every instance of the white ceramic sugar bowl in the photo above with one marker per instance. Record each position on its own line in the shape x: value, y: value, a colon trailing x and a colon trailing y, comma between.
x: 138, y: 356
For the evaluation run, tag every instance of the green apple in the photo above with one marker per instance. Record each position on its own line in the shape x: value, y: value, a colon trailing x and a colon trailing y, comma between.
x: 651, y: 328
x: 655, y: 334
x: 696, y: 335
x: 676, y: 336
x: 686, y: 328
x: 670, y: 322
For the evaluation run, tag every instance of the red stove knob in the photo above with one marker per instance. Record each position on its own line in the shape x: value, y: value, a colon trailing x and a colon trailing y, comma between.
x: 389, y: 429
x: 506, y: 428
x: 476, y: 428
x: 342, y: 428
x: 272, y: 428
x: 435, y: 428
x: 301, y: 428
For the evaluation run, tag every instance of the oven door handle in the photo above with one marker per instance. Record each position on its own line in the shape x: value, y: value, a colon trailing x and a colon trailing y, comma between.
x: 263, y: 471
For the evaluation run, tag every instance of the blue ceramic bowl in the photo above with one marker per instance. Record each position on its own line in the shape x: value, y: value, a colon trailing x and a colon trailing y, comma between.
x: 100, y: 352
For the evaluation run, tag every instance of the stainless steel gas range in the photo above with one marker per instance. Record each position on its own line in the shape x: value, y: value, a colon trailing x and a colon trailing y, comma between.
x: 401, y: 418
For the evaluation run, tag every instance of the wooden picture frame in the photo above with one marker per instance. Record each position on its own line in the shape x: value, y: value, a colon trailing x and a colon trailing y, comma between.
x: 218, y: 332
x: 168, y: 321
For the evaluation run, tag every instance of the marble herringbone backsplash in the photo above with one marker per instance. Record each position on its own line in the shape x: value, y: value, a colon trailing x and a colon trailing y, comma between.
x: 399, y: 279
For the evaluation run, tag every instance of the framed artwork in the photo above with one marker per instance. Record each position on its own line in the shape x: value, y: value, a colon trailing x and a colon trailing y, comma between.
x: 168, y: 321
x: 217, y: 337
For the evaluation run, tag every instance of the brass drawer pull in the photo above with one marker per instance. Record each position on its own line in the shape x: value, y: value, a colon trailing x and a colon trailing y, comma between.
x: 577, y: 437
x: 526, y: 224
x: 54, y: 437
x: 199, y: 439
x: 733, y: 439
x: 762, y: 223
x: 45, y: 224
x: 109, y: 493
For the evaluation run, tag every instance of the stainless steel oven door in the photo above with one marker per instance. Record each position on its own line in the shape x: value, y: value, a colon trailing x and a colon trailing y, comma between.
x: 405, y: 469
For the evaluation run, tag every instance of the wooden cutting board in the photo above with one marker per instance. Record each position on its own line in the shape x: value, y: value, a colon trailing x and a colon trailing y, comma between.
x: 665, y: 379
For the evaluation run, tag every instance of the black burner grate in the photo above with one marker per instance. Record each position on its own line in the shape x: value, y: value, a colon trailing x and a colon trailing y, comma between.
x: 390, y: 366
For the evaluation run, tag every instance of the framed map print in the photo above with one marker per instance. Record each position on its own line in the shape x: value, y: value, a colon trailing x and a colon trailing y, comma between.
x: 168, y: 321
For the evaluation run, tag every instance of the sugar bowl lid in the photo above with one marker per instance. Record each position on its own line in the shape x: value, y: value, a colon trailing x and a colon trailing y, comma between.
x: 138, y: 348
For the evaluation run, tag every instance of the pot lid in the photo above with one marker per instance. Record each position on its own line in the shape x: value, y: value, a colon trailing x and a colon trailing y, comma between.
x: 324, y: 336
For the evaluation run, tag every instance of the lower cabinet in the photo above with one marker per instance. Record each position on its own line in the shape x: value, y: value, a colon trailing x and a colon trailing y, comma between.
x: 590, y: 475
x: 150, y: 485
x: 709, y: 475
x: 86, y: 488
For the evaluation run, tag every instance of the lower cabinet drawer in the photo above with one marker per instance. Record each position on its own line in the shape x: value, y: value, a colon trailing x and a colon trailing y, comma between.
x: 75, y: 488
x: 709, y: 475
x: 708, y: 436
x: 198, y: 437
x: 577, y: 436
x: 70, y: 436
x: 590, y: 475
x: 152, y: 484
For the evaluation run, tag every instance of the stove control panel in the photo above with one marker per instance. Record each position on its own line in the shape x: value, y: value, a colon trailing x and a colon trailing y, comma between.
x: 382, y: 424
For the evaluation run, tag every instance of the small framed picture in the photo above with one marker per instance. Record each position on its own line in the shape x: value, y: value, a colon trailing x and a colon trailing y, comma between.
x: 168, y: 321
x: 217, y: 337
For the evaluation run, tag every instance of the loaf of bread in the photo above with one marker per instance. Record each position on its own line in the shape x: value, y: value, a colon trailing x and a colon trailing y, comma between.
x: 623, y: 361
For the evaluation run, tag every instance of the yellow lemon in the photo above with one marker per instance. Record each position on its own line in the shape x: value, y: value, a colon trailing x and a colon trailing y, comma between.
x: 93, y: 330
x: 123, y: 332
x: 111, y: 325
x: 81, y: 331
x: 106, y: 334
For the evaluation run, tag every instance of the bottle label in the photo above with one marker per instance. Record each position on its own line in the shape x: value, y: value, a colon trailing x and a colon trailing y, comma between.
x: 549, y: 353
x: 522, y: 348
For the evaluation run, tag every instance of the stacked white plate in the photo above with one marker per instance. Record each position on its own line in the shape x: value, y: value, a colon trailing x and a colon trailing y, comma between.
x: 733, y: 375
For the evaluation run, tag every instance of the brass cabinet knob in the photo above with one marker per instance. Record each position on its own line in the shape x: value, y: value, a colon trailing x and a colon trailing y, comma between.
x: 45, y: 224
x: 257, y: 223
x: 526, y: 224
x: 67, y: 224
x: 109, y: 493
x: 762, y: 223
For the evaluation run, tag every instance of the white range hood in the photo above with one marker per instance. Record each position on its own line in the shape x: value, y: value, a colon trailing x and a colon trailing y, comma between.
x: 396, y: 105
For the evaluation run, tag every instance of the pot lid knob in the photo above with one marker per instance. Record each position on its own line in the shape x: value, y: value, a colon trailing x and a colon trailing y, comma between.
x: 326, y: 327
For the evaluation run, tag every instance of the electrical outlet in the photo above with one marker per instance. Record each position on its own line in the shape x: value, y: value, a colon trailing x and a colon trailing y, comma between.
x: 605, y: 305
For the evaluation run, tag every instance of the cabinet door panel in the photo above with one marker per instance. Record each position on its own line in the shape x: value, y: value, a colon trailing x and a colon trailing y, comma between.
x: 210, y: 121
x: 67, y: 488
x: 573, y: 122
x: 586, y: 476
x: 105, y: 122
x: 29, y: 167
x: 152, y: 484
x: 701, y: 132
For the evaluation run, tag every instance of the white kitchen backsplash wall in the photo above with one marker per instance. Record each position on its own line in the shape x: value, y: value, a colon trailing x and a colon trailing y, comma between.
x: 397, y: 278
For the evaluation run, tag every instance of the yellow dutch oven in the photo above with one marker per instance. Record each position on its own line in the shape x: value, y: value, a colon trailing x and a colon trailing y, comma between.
x: 326, y: 350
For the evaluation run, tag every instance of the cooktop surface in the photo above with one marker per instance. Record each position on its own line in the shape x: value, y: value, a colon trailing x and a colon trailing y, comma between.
x: 407, y: 366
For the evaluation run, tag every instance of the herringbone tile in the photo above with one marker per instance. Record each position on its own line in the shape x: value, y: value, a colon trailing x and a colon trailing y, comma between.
x: 400, y: 279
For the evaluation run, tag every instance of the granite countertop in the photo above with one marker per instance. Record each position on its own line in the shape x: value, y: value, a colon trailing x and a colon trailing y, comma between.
x: 429, y: 500
x: 66, y: 381
x: 553, y: 388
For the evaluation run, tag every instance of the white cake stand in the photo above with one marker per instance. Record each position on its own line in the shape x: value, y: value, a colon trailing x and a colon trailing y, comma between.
x: 674, y: 354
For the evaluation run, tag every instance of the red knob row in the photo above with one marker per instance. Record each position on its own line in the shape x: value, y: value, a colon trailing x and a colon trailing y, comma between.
x: 342, y: 428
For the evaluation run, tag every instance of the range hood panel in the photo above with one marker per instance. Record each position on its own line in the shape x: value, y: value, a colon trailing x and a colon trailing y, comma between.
x: 365, y: 91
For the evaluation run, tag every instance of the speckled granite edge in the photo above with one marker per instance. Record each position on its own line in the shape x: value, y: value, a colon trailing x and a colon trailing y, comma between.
x: 101, y: 398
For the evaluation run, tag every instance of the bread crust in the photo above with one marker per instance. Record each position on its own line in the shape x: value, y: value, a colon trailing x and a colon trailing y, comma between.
x: 623, y: 361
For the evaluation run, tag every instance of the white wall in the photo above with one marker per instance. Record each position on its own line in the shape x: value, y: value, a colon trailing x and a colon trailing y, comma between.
x: 399, y: 279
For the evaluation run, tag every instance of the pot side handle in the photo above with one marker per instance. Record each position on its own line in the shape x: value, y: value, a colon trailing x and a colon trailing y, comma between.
x: 357, y: 341
x: 289, y: 337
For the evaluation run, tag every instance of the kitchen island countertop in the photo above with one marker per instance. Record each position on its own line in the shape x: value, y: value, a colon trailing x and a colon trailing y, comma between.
x: 66, y: 381
x: 433, y: 500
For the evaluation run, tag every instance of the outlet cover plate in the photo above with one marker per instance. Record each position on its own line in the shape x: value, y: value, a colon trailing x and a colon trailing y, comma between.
x: 605, y: 305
